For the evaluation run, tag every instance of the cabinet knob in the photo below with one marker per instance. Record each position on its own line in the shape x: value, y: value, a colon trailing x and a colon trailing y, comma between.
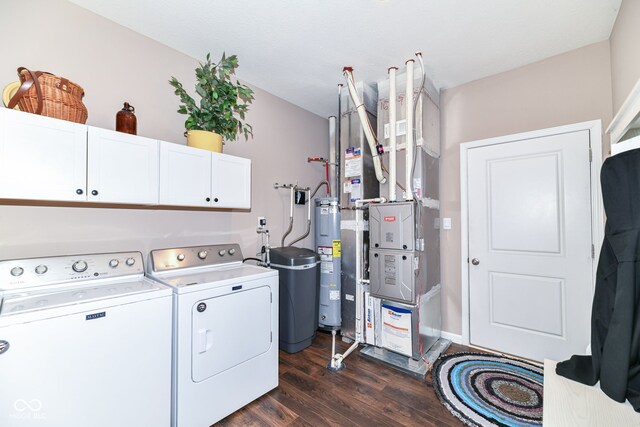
x: 94, y: 192
x: 208, y: 199
x: 215, y: 200
x: 79, y: 191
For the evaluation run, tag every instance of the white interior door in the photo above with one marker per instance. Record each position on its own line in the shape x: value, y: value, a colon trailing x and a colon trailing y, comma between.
x: 530, y: 246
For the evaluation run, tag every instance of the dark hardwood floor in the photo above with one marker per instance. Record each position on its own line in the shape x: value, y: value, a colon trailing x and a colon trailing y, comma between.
x: 365, y: 393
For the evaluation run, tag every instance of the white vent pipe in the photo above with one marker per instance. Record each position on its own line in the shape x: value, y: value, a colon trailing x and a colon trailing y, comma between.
x: 392, y: 134
x: 409, y: 138
x: 333, y: 181
x: 366, y: 125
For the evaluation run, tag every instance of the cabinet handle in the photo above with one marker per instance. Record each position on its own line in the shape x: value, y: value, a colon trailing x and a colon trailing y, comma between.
x: 79, y: 191
x: 215, y: 200
x: 94, y: 192
x: 208, y: 199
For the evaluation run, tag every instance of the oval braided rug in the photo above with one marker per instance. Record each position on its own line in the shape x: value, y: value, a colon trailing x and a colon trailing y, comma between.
x: 489, y: 390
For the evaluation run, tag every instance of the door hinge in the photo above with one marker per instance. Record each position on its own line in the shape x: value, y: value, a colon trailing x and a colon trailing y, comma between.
x: 593, y: 251
x: 590, y: 155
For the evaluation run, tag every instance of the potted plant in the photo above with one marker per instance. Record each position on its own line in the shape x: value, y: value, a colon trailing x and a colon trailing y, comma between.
x: 222, y: 107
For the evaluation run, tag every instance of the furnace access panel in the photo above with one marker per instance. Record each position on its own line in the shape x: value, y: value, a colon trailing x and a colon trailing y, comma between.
x: 391, y: 226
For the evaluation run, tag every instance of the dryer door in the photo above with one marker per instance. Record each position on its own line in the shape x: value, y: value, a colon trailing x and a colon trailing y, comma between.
x: 230, y: 329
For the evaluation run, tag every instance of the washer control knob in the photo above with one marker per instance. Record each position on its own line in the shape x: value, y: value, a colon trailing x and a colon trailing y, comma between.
x: 232, y: 251
x: 130, y: 261
x: 180, y: 257
x: 17, y: 271
x: 41, y: 269
x: 202, y: 254
x: 221, y: 252
x: 114, y: 263
x: 79, y: 266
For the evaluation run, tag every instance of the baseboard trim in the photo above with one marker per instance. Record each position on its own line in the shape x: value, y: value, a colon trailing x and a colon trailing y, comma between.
x: 455, y: 338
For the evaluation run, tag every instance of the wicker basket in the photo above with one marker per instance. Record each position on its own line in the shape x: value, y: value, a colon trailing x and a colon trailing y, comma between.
x: 49, y: 95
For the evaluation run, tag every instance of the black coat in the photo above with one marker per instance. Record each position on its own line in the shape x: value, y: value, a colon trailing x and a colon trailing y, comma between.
x: 615, y: 315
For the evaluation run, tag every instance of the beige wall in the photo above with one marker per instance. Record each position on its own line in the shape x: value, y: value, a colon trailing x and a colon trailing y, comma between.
x: 114, y: 64
x: 625, y: 59
x: 568, y: 88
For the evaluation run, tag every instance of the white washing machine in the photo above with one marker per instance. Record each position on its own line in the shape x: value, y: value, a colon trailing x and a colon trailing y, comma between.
x: 84, y: 341
x: 225, y: 331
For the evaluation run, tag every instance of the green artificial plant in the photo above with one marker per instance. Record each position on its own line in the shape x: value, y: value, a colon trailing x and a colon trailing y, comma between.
x: 223, y: 103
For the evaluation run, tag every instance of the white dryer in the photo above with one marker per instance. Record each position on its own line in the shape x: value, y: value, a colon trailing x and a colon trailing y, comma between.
x: 225, y: 330
x: 84, y: 341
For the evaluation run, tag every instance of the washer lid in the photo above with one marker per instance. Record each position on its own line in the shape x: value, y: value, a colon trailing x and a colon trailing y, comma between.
x: 198, y: 279
x: 22, y: 302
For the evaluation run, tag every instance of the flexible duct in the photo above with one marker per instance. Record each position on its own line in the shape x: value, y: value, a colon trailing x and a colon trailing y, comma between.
x: 286, y: 233
x: 311, y: 196
x: 366, y: 124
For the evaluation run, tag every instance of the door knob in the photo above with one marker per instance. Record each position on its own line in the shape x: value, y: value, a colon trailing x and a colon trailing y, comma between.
x: 475, y: 261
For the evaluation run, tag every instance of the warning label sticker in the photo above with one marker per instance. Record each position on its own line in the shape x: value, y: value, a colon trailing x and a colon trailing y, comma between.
x: 352, y: 162
x: 334, y: 295
x: 326, y: 253
x: 326, y: 266
x: 337, y: 248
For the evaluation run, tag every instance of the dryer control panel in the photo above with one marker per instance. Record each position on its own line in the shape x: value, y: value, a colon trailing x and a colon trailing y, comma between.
x: 194, y: 256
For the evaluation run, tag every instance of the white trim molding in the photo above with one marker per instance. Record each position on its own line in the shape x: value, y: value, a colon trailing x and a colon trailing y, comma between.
x: 454, y: 338
x: 627, y: 117
x: 597, y: 209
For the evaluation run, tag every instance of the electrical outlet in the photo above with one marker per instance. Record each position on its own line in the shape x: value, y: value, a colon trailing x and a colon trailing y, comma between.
x: 262, y: 222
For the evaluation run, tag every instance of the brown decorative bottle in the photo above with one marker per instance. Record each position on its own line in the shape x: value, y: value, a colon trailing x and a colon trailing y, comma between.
x: 125, y: 120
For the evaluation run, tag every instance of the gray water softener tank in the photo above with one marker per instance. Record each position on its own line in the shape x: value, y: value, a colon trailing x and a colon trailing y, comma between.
x: 299, y: 277
x: 329, y: 248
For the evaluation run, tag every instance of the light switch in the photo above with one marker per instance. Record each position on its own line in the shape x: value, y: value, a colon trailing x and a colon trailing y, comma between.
x: 446, y: 223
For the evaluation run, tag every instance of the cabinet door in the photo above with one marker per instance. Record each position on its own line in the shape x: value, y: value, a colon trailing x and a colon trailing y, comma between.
x: 230, y: 181
x: 185, y: 175
x: 41, y: 158
x: 122, y: 168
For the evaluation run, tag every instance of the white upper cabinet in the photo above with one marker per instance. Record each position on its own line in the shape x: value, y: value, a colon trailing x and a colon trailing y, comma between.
x: 230, y: 181
x: 122, y: 168
x: 49, y: 159
x: 185, y: 175
x: 41, y: 158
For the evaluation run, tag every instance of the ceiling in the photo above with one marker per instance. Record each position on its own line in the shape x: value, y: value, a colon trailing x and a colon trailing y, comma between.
x: 296, y: 49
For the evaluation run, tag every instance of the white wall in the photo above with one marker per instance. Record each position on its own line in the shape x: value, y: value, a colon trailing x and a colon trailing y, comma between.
x: 114, y: 65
